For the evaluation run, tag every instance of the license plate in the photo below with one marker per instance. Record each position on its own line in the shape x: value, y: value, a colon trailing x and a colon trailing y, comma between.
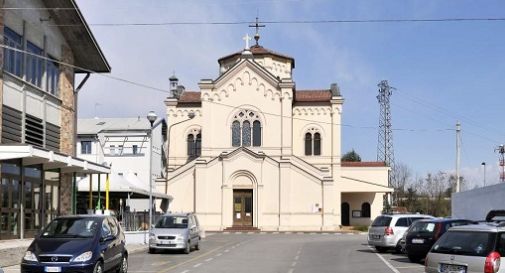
x: 52, y: 269
x: 450, y: 268
x: 376, y: 236
x: 418, y: 241
x: 167, y: 242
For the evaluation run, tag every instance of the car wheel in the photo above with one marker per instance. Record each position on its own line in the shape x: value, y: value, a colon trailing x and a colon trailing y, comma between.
x: 398, y: 248
x: 197, y: 246
x: 123, y: 266
x: 98, y: 267
x: 414, y: 258
x: 152, y: 250
x: 381, y: 249
x: 187, y: 250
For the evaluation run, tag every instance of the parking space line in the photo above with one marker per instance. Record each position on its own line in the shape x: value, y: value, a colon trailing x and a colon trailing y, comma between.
x: 387, y: 263
x: 197, y: 265
x: 209, y: 259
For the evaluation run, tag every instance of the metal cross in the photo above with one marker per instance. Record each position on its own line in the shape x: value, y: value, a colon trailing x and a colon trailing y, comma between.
x: 246, y: 38
x: 257, y: 26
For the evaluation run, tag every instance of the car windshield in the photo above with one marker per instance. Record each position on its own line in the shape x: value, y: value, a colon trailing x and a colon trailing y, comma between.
x: 71, y: 228
x: 468, y: 243
x: 172, y: 222
x: 381, y: 221
x: 422, y: 227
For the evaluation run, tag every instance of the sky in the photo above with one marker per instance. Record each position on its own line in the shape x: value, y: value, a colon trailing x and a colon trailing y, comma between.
x: 443, y: 72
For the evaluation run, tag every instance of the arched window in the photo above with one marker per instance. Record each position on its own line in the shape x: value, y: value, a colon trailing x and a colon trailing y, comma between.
x: 308, y: 144
x: 317, y: 144
x: 365, y: 210
x: 312, y: 142
x: 246, y: 133
x: 246, y: 129
x: 235, y: 133
x: 198, y: 145
x: 191, y: 145
x: 256, y: 133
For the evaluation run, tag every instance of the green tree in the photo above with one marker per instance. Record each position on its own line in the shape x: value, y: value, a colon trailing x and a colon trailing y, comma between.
x: 351, y: 156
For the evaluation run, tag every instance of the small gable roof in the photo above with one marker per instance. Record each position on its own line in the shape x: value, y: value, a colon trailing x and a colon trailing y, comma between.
x: 258, y: 50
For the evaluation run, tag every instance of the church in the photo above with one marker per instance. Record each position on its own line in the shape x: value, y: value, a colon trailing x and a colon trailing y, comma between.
x: 250, y: 151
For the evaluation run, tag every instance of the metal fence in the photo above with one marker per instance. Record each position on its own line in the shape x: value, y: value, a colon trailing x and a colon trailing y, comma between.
x: 137, y: 220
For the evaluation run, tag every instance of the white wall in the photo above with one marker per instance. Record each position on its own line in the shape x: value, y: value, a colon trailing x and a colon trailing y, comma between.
x: 475, y: 204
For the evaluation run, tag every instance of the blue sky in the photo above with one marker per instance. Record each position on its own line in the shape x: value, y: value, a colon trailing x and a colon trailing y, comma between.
x: 443, y: 72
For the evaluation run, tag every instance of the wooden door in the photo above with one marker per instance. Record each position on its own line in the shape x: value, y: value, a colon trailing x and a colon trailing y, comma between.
x: 242, y: 207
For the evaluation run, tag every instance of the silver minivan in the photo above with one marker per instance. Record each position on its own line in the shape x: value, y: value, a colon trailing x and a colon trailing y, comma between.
x: 175, y: 231
x: 468, y: 249
x: 387, y: 230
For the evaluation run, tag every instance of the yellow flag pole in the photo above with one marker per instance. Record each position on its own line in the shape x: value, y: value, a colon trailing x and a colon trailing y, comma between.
x: 107, y: 184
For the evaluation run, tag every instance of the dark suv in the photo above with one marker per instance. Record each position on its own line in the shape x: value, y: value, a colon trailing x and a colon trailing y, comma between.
x: 424, y: 233
x: 81, y: 243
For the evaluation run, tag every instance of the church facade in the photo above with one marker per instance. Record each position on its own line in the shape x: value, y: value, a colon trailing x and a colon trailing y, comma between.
x: 249, y: 150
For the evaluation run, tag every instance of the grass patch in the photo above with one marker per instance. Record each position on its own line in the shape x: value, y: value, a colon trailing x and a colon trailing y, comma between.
x: 360, y: 228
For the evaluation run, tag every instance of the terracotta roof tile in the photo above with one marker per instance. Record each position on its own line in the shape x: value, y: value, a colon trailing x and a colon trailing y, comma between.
x: 312, y: 95
x: 363, y: 164
x: 190, y: 97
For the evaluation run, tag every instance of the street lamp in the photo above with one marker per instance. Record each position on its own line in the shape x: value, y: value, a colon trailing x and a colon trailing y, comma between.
x: 151, y: 117
x: 484, y: 165
x: 191, y: 115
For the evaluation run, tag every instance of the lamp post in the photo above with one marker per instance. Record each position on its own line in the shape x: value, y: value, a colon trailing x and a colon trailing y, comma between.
x: 484, y: 165
x: 151, y: 117
x: 191, y: 115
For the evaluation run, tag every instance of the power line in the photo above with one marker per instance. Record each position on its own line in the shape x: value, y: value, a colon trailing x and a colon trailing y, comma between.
x: 165, y: 91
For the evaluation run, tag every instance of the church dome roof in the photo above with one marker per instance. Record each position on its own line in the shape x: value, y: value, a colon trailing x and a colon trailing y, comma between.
x: 258, y: 50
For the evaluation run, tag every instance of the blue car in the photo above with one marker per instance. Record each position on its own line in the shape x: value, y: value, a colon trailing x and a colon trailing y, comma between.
x: 78, y: 244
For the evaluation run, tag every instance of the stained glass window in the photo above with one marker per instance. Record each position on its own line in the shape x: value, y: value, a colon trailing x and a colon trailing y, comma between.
x: 317, y: 144
x: 235, y: 134
x: 246, y: 133
x: 256, y: 133
x: 308, y: 144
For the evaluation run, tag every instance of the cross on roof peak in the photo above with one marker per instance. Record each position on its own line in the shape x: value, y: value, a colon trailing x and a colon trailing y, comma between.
x: 257, y: 25
x: 246, y: 38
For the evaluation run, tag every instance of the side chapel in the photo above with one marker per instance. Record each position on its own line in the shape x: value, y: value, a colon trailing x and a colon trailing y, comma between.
x: 251, y: 151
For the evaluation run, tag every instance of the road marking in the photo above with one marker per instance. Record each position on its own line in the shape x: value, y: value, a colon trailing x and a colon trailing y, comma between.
x: 386, y: 262
x: 291, y: 270
x: 407, y: 267
x: 293, y: 264
x: 219, y: 254
x: 299, y: 233
x: 226, y: 232
x: 250, y: 232
x: 195, y: 258
x: 209, y: 259
x: 197, y: 265
x: 350, y: 233
x: 297, y: 257
x: 227, y: 250
x: 185, y: 271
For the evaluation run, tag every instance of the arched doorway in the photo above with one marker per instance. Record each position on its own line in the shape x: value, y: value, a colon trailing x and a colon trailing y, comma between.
x: 344, y: 213
x: 244, y: 194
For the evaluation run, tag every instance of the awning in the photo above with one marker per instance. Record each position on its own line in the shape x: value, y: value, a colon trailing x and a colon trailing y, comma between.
x: 122, y: 186
x: 50, y: 160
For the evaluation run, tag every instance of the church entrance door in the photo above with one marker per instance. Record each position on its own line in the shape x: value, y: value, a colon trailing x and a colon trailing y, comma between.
x: 242, y: 207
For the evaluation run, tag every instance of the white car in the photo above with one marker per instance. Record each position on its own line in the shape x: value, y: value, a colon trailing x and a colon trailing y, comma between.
x: 387, y: 230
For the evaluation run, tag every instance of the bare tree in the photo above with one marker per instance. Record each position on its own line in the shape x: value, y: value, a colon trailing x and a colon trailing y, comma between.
x: 402, y: 177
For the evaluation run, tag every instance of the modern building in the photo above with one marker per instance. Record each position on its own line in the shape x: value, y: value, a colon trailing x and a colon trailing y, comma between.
x: 123, y: 144
x: 38, y: 108
x: 260, y: 153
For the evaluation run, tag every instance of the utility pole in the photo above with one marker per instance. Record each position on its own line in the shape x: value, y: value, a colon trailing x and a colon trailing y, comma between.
x: 458, y: 155
x: 484, y: 165
x: 385, y: 152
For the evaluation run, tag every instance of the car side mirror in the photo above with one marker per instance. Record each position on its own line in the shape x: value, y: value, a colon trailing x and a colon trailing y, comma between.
x: 193, y: 226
